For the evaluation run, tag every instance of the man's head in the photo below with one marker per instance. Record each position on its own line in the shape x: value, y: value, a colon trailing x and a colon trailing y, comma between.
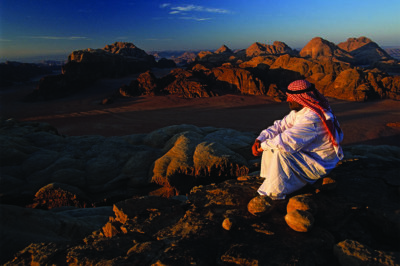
x: 303, y: 93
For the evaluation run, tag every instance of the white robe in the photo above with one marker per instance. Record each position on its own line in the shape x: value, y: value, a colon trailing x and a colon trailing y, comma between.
x: 297, y: 151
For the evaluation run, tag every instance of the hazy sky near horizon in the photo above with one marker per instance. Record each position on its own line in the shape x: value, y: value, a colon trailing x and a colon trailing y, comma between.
x: 53, y: 27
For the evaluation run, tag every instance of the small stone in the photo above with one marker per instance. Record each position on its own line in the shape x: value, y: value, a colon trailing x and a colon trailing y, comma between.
x: 325, y: 184
x: 228, y: 223
x: 302, y: 202
x: 260, y: 205
x: 244, y: 178
x: 299, y: 220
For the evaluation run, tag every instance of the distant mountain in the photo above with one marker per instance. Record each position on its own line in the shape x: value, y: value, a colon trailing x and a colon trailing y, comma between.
x: 319, y: 48
x: 364, y: 51
x: 277, y: 48
x: 355, y: 70
x: 223, y: 50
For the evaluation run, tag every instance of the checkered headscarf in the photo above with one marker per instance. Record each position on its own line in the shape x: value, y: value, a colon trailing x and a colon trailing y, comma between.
x: 304, y: 93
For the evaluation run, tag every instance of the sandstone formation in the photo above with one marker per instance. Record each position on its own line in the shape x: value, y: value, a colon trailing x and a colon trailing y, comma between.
x: 267, y: 70
x: 355, y: 70
x: 86, y: 66
x: 185, y: 58
x: 319, y: 48
x: 220, y: 56
x: 198, y: 82
x: 90, y: 170
x: 357, y: 220
x: 350, y: 252
x: 364, y: 51
x: 277, y: 48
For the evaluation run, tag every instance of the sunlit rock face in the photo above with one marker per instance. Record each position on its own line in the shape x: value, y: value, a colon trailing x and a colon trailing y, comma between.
x: 364, y: 51
x: 355, y: 70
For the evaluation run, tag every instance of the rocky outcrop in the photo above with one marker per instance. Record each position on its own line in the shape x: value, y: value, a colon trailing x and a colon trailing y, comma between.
x: 277, y: 48
x: 350, y: 252
x: 364, y: 51
x: 319, y: 48
x: 166, y: 63
x: 45, y: 170
x: 86, y: 66
x: 215, y: 212
x: 185, y: 58
x: 357, y: 222
x: 198, y: 82
x: 224, y: 50
x: 238, y: 80
x: 186, y: 84
x: 217, y: 58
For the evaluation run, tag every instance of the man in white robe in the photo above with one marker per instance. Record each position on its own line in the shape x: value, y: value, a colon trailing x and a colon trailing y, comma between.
x: 300, y: 148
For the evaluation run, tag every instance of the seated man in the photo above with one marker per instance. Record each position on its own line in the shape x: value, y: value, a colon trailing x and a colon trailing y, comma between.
x: 300, y: 148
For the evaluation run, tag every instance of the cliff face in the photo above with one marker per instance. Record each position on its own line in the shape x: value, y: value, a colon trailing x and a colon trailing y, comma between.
x: 208, y: 178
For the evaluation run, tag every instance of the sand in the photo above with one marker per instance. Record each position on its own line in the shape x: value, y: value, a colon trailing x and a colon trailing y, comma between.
x: 82, y: 113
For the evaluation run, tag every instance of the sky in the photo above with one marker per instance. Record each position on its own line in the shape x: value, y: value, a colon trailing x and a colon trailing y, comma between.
x: 50, y: 29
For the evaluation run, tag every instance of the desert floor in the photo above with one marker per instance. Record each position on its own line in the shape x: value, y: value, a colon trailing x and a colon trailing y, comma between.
x: 376, y: 122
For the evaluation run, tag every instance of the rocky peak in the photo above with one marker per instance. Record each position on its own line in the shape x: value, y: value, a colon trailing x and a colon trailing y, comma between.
x: 277, y: 47
x: 364, y: 50
x: 223, y: 49
x: 355, y: 43
x: 319, y: 48
x: 125, y: 49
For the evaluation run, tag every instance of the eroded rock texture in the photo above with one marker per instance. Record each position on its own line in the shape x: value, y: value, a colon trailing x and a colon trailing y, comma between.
x: 206, y: 224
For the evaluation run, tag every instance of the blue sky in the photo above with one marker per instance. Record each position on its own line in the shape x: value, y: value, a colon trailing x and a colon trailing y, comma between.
x: 53, y: 27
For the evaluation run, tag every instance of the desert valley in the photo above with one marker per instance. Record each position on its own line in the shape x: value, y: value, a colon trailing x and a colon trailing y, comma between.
x: 122, y: 159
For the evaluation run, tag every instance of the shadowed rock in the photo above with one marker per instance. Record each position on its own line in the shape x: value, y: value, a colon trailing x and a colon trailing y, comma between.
x: 152, y: 230
x: 350, y: 252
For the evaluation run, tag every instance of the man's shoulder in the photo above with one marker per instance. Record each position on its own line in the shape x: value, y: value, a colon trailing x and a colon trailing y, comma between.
x: 308, y: 114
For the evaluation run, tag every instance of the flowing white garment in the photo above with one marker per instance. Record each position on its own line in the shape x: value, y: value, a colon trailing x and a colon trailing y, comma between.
x: 297, y: 151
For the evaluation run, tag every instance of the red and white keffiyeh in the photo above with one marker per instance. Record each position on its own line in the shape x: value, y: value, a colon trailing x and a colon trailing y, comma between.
x: 304, y: 93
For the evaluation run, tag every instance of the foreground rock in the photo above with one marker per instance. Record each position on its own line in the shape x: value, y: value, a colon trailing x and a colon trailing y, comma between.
x: 45, y: 170
x: 350, y: 252
x: 211, y: 219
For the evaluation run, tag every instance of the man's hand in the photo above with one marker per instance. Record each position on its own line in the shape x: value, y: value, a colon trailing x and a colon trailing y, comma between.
x: 256, y: 148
